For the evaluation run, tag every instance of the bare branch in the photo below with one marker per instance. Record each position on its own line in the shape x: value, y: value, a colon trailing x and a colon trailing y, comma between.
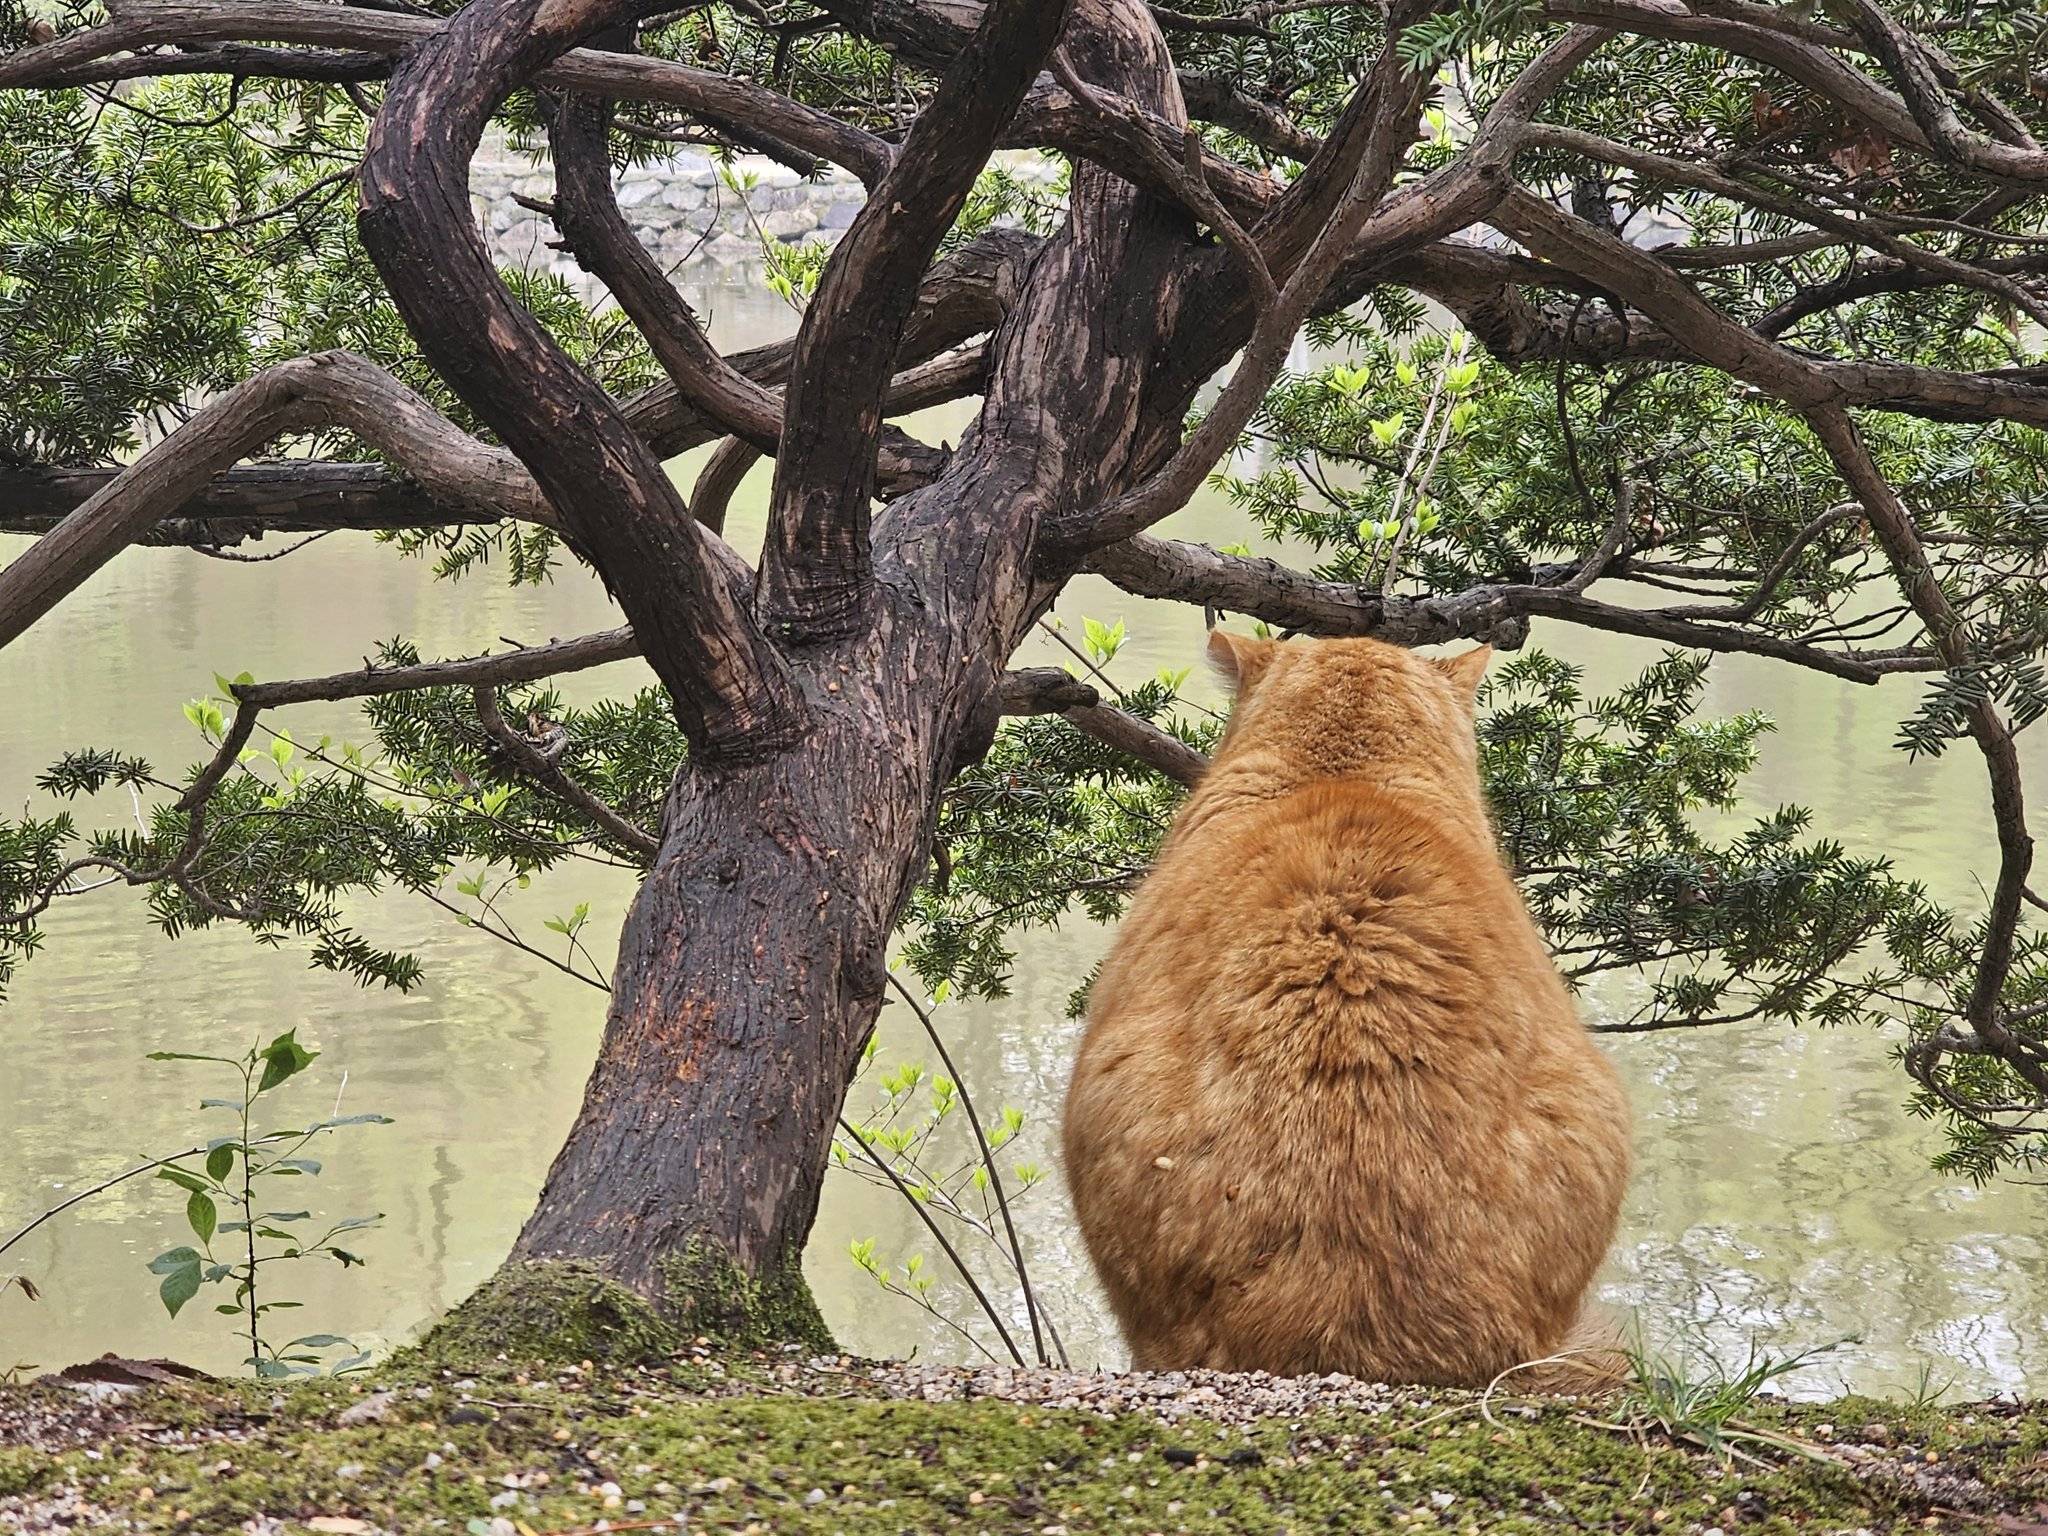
x: 816, y: 567
x: 308, y: 495
x: 1713, y: 338
x: 1360, y: 231
x: 1395, y: 93
x: 1139, y: 739
x: 1052, y: 117
x: 324, y: 390
x: 117, y: 50
x: 1797, y: 58
x: 1044, y: 691
x: 1229, y: 26
x: 1914, y: 68
x: 721, y: 476
x: 1893, y: 526
x: 526, y: 665
x: 588, y: 214
x: 1374, y: 241
x: 1050, y: 691
x: 1686, y: 173
x: 1027, y: 691
x: 1214, y: 100
x: 1330, y: 182
x: 536, y: 763
x: 1183, y: 178
x: 1495, y: 613
x: 966, y: 293
x: 730, y: 688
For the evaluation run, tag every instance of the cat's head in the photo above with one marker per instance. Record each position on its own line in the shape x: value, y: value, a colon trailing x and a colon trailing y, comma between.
x: 1341, y: 708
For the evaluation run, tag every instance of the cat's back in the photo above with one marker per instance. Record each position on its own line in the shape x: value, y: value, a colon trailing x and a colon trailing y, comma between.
x: 1334, y: 1109
x: 1330, y: 925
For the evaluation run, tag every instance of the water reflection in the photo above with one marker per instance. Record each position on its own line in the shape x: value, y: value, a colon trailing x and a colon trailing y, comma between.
x: 1781, y: 1191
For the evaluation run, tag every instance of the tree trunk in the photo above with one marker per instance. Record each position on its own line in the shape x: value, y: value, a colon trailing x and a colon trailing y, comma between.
x: 750, y: 973
x: 752, y: 966
x: 746, y: 985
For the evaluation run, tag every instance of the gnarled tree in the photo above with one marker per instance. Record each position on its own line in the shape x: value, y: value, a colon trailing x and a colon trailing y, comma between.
x: 1808, y: 421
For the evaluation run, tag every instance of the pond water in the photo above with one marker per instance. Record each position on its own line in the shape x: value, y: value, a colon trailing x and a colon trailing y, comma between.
x: 1783, y: 1196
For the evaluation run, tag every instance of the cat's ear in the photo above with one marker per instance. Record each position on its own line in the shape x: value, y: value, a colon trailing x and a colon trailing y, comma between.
x: 1469, y: 670
x: 1241, y: 659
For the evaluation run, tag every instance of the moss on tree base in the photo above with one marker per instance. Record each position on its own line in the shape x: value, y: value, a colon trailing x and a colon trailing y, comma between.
x: 707, y: 1294
x: 775, y: 1444
x: 557, y: 1311
x: 566, y: 1310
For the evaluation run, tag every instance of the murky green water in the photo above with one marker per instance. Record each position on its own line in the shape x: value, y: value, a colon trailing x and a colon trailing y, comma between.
x: 1781, y: 1195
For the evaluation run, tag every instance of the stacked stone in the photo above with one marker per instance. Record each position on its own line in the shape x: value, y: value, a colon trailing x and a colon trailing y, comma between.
x: 681, y: 207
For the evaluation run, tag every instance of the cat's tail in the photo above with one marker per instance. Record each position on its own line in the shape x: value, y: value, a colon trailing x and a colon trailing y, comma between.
x: 1593, y: 1359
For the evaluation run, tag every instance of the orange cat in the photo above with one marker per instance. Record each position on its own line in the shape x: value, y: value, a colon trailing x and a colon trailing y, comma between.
x: 1334, y: 1110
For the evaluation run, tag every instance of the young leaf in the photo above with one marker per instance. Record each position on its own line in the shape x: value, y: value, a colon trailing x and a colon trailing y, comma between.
x: 220, y: 1162
x: 283, y: 1058
x: 184, y: 1180
x: 180, y: 1269
x: 200, y: 1213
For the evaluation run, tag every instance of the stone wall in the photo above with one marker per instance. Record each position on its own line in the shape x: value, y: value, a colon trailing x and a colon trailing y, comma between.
x: 686, y: 213
x: 681, y: 207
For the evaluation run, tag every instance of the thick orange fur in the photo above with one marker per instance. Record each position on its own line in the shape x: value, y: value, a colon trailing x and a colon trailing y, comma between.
x: 1334, y: 1110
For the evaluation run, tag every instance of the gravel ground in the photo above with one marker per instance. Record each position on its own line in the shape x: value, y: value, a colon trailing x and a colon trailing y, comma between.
x: 1869, y: 1452
x: 1169, y: 1396
x: 96, y: 1412
x: 104, y: 1417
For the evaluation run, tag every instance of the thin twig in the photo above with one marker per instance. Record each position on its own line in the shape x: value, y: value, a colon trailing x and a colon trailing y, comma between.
x: 988, y: 1161
x: 549, y: 775
x: 1399, y: 518
x: 122, y: 1178
x: 988, y: 1307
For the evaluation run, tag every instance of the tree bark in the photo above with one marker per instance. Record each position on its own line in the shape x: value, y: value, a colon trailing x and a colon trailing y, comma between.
x: 752, y: 965
x: 751, y: 970
x: 748, y: 979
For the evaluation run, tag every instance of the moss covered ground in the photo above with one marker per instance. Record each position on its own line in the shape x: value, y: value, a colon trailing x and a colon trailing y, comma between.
x: 769, y: 1442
